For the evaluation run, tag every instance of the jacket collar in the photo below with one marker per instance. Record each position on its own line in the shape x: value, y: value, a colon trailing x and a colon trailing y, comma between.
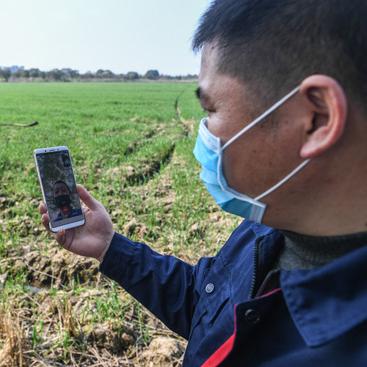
x: 261, y: 230
x: 329, y: 301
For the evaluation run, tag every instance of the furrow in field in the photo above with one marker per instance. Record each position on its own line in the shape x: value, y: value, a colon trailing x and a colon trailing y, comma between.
x: 146, y: 157
x: 149, y: 168
x: 134, y: 146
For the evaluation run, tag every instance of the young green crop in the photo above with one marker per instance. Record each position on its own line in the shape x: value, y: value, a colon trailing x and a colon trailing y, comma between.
x: 134, y: 154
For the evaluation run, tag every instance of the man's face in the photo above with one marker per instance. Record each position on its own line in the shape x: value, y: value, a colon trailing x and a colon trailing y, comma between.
x: 62, y: 197
x: 60, y: 189
x: 264, y: 155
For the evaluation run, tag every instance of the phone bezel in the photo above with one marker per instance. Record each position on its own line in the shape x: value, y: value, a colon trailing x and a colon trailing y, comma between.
x: 54, y: 150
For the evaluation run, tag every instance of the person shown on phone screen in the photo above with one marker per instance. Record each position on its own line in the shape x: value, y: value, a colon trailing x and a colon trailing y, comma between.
x: 62, y: 198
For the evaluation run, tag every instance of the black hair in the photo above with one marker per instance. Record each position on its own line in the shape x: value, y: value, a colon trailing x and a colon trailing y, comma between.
x: 273, y: 45
x: 62, y: 182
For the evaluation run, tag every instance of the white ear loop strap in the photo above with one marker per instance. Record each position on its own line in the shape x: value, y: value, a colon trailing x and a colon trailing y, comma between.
x: 261, y: 117
x: 285, y: 179
x: 257, y: 121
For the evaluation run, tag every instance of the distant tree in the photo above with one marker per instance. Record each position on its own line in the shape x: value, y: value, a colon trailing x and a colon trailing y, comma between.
x: 68, y: 74
x: 99, y: 73
x: 190, y: 77
x: 19, y: 74
x: 108, y: 74
x: 105, y: 74
x: 5, y: 73
x: 87, y: 75
x: 34, y: 73
x: 23, y: 73
x: 74, y: 74
x: 152, y: 74
x: 55, y: 74
x: 132, y: 75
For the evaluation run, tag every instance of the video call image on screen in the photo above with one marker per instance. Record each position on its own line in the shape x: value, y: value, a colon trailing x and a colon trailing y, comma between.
x: 59, y: 187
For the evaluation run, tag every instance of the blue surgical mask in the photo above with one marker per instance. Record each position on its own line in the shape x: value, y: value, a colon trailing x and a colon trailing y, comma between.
x: 209, y: 153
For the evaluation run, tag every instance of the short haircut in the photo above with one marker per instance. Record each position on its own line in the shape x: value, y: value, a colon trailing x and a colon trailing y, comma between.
x: 62, y: 182
x: 272, y: 45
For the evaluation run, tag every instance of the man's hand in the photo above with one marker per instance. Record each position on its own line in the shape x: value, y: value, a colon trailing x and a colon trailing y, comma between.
x: 90, y: 240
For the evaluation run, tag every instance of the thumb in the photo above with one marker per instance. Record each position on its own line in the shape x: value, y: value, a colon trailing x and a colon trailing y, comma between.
x: 87, y: 198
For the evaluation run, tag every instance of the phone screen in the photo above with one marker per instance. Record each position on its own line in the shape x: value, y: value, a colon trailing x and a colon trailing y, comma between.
x: 59, y: 188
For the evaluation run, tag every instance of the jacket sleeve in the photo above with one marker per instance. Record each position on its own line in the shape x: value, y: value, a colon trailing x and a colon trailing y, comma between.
x: 165, y: 285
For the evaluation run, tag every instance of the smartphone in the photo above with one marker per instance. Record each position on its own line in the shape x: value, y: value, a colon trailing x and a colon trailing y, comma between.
x: 56, y: 176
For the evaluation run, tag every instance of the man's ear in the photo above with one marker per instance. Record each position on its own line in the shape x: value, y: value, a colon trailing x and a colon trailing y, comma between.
x: 328, y: 113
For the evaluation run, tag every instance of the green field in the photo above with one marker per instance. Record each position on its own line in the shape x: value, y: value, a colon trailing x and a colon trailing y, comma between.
x: 133, y: 152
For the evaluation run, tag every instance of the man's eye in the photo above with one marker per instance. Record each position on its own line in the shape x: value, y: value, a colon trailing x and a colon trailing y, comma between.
x: 208, y: 110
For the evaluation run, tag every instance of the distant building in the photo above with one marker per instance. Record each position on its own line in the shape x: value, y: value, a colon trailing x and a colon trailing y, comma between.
x: 15, y: 69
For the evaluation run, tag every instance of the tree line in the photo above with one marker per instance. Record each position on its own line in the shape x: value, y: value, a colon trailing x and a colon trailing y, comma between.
x: 15, y: 73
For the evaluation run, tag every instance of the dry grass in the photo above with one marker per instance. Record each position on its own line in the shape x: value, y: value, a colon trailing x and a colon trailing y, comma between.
x: 14, y: 340
x: 56, y: 328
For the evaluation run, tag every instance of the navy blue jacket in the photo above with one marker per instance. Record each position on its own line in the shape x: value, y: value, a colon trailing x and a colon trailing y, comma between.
x: 232, y: 316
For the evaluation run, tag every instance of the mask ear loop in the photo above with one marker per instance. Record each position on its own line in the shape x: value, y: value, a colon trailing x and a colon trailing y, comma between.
x: 261, y: 117
x: 252, y: 125
x: 285, y: 179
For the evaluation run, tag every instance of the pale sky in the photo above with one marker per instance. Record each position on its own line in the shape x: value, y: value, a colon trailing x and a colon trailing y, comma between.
x: 120, y: 35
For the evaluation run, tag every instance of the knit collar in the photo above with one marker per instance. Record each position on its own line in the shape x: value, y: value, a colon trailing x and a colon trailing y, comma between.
x: 307, y: 252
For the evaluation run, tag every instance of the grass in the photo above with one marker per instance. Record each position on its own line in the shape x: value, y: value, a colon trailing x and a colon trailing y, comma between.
x: 133, y: 153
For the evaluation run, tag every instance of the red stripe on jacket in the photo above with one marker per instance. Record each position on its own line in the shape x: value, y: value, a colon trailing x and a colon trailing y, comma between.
x: 222, y: 353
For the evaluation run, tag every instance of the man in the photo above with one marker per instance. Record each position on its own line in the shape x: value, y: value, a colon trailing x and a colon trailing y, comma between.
x: 62, y: 198
x: 284, y: 145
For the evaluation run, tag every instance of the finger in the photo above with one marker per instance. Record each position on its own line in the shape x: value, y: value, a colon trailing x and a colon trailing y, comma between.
x: 42, y: 208
x: 87, y: 198
x: 61, y: 237
x: 46, y: 221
